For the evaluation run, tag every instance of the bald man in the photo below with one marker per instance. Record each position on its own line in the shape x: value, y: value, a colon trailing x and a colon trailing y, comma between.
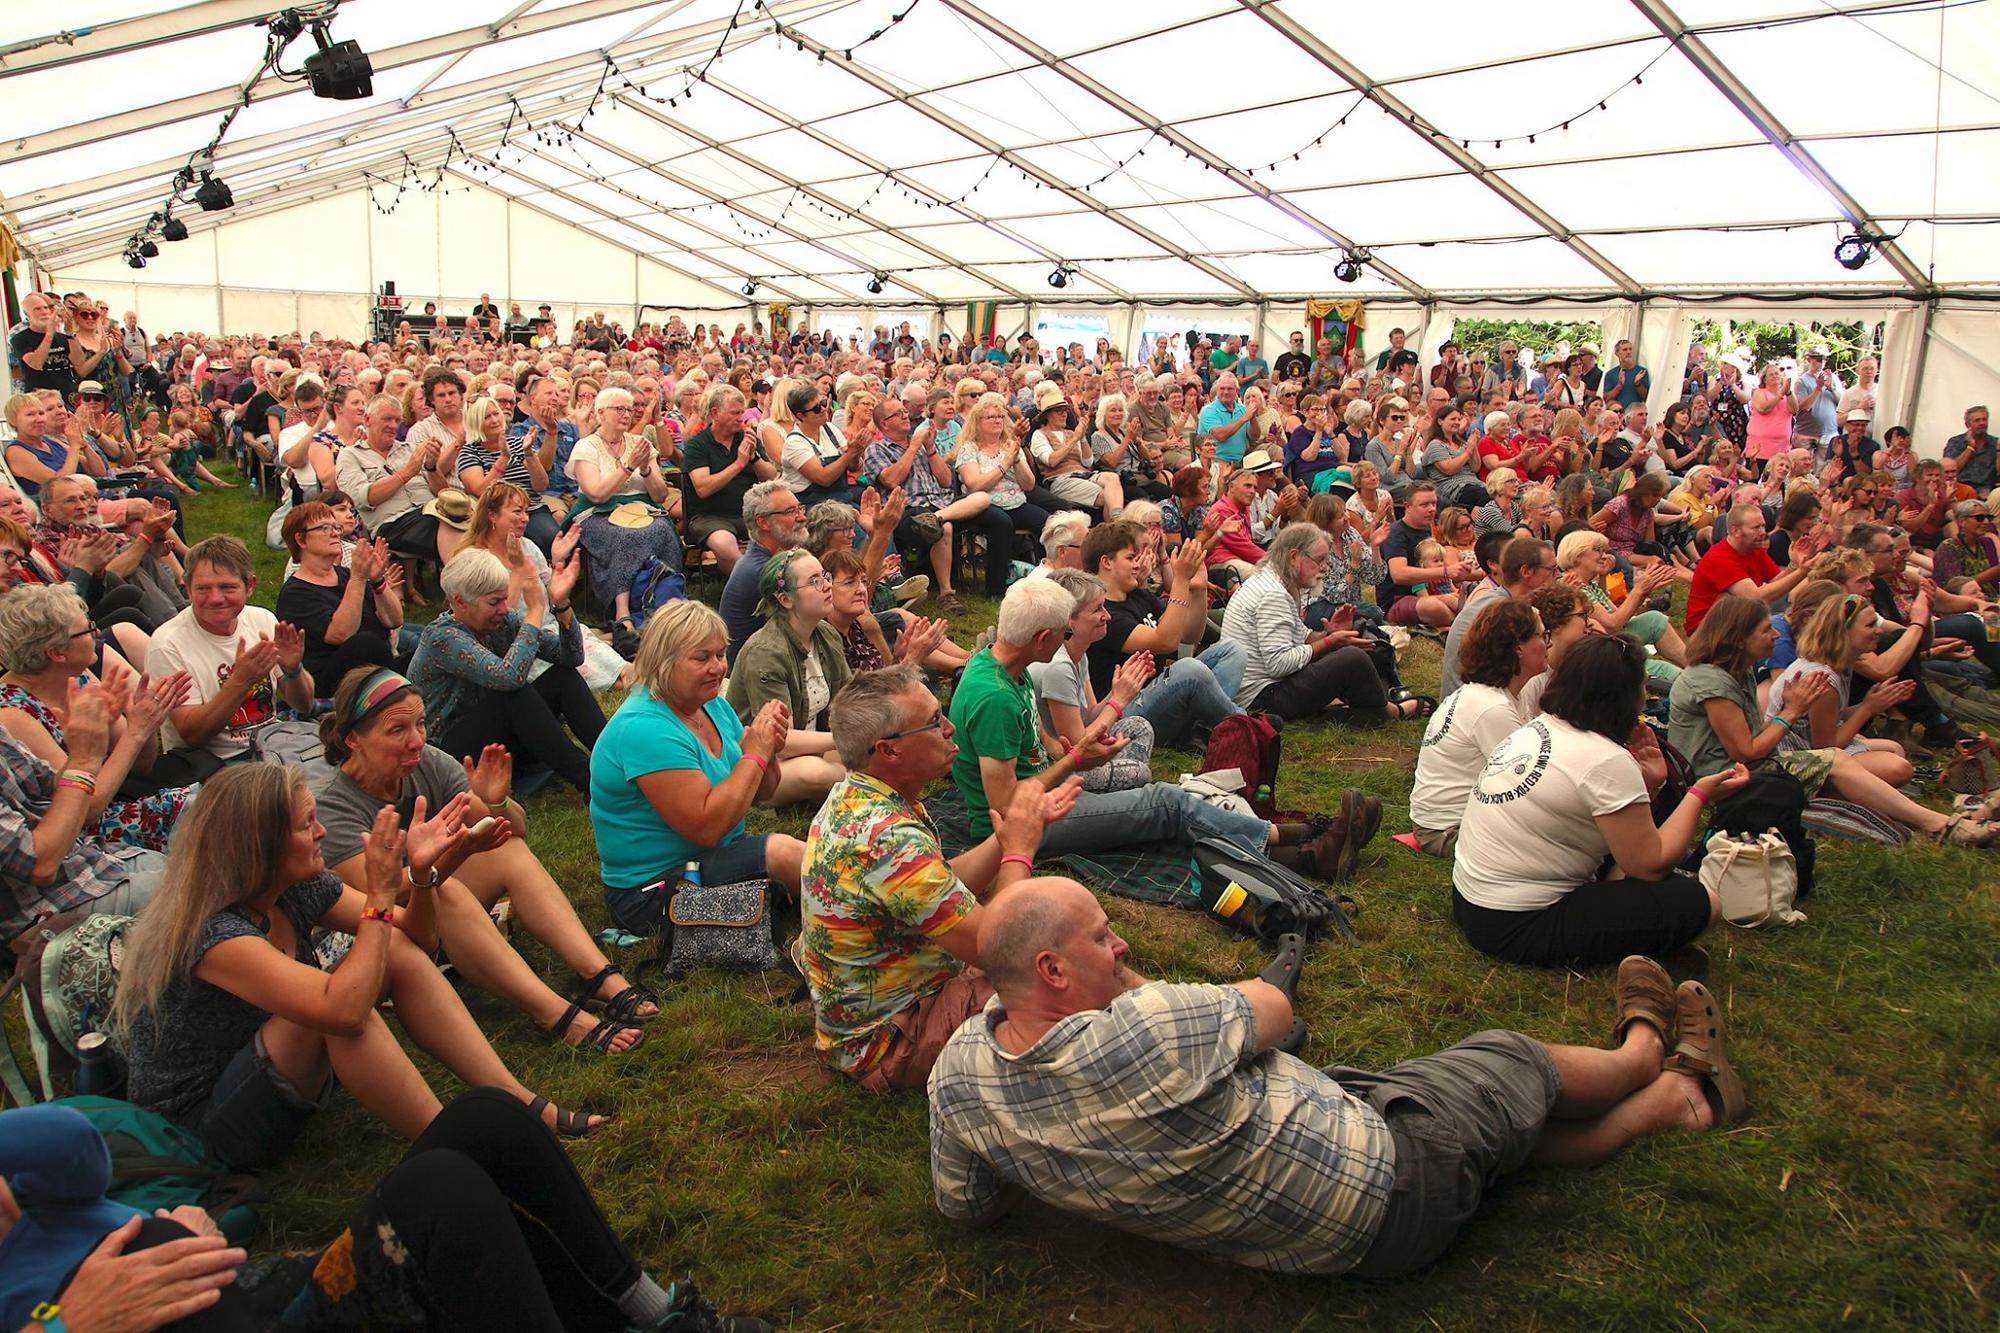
x: 1166, y: 1110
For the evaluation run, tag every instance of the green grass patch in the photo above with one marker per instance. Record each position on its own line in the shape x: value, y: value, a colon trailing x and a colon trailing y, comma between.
x: 1863, y: 1191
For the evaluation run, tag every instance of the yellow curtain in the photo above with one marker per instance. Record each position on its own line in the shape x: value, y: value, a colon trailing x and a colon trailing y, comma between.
x: 1350, y: 312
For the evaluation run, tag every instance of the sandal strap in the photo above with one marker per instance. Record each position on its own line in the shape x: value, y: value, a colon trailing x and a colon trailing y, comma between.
x: 585, y: 991
x: 607, y: 1030
x: 560, y: 1028
x: 624, y: 1006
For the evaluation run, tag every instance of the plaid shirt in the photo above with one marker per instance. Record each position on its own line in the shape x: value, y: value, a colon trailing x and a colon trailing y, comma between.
x: 926, y: 493
x: 87, y: 873
x: 1153, y: 1115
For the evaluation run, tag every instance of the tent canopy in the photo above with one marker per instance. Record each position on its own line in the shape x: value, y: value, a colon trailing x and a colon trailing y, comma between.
x: 1184, y: 150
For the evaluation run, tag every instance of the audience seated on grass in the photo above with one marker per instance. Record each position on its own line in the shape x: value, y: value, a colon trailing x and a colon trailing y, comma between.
x: 626, y: 508
x: 1164, y: 1109
x: 1297, y: 673
x: 234, y: 1030
x: 795, y: 659
x: 1504, y: 650
x: 1000, y: 745
x: 1716, y: 719
x: 1068, y: 704
x: 377, y: 755
x: 676, y: 772
x: 1561, y: 795
x: 890, y: 928
x: 474, y: 667
x: 240, y: 659
x: 347, y: 601
x: 484, y: 1224
x: 1186, y: 695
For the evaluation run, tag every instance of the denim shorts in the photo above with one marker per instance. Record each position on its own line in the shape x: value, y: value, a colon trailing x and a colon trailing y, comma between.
x: 643, y: 911
x: 255, y: 1113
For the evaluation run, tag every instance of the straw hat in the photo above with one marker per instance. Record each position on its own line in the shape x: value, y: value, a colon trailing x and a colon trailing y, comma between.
x: 451, y: 507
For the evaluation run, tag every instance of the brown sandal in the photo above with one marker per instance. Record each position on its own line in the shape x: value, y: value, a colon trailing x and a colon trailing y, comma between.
x: 1645, y: 995
x: 1702, y: 1050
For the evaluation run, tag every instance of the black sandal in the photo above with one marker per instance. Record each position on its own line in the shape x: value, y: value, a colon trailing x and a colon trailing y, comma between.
x: 569, y: 1124
x: 624, y: 1005
x: 601, y: 1034
x: 1425, y: 704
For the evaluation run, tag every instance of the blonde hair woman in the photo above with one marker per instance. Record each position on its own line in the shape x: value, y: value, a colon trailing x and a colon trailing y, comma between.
x: 991, y: 458
x: 1586, y: 560
x: 235, y: 1031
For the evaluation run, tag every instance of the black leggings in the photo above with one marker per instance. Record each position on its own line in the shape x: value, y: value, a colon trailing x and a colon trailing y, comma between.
x: 999, y: 530
x: 361, y: 648
x: 500, y: 1229
x: 1600, y: 922
x: 529, y: 721
x: 1345, y: 674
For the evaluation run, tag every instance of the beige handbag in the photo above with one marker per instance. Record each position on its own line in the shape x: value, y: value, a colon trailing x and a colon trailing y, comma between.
x: 1755, y: 878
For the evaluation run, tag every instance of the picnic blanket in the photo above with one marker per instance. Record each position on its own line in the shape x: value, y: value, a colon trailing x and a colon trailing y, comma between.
x: 1149, y: 875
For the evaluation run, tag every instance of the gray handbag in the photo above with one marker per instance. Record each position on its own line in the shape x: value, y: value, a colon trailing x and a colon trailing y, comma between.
x: 728, y: 927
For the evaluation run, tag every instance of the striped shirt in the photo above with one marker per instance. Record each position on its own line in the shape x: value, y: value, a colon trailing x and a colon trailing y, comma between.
x: 1154, y: 1115
x: 88, y: 871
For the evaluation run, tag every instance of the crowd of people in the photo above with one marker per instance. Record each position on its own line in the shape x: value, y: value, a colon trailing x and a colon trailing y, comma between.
x: 1168, y: 545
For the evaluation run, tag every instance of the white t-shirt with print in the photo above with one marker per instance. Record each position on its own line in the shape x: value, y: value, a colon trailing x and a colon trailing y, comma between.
x: 182, y: 644
x: 1530, y: 832
x: 1468, y: 726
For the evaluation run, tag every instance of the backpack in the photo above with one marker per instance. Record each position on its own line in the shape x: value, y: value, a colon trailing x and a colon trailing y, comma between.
x: 1262, y: 898
x: 67, y: 972
x: 157, y: 1164
x: 1248, y: 742
x: 654, y: 585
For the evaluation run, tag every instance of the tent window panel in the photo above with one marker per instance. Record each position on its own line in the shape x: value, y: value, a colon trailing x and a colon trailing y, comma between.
x: 1220, y: 64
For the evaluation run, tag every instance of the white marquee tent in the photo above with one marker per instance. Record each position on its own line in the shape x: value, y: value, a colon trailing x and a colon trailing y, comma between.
x: 1642, y: 163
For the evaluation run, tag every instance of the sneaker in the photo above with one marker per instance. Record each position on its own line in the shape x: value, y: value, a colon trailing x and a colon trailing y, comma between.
x: 910, y: 590
x: 694, y: 1313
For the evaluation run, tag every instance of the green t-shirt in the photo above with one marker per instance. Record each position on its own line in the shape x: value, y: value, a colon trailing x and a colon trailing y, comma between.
x: 1688, y: 727
x: 994, y: 715
x: 1221, y: 359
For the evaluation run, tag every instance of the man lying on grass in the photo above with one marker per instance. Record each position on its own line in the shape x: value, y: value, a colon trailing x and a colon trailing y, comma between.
x: 1164, y: 1109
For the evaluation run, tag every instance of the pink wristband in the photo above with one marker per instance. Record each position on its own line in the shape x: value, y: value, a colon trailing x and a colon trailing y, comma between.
x: 1117, y: 709
x: 1025, y: 862
x: 1700, y: 796
x: 758, y: 760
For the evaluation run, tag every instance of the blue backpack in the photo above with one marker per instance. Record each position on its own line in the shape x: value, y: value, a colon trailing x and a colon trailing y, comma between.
x: 654, y: 585
x: 157, y: 1164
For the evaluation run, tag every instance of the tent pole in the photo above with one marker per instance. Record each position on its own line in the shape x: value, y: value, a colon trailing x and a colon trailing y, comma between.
x: 1917, y: 365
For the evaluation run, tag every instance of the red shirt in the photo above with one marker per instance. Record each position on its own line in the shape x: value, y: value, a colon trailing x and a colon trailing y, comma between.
x: 1548, y: 471
x: 1495, y: 452
x: 1722, y: 569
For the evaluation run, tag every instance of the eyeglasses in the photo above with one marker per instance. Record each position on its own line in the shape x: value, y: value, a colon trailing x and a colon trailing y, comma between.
x: 938, y: 723
x: 12, y: 559
x: 821, y: 580
x: 324, y: 527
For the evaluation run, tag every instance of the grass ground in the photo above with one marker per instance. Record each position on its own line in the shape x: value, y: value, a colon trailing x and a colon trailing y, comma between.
x: 1863, y: 1191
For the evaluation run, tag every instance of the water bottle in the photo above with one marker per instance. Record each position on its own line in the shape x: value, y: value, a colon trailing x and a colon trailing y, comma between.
x: 97, y: 1074
x: 691, y: 873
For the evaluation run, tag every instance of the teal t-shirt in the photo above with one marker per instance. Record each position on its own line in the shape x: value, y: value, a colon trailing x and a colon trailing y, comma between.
x: 993, y: 714
x: 634, y: 845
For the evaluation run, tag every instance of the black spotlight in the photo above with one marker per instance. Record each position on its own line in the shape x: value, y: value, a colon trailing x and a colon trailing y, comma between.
x: 750, y: 286
x: 1852, y: 251
x: 173, y: 229
x: 149, y: 250
x: 1059, y: 278
x: 213, y: 195
x: 874, y: 284
x: 1348, y: 269
x: 340, y: 70
x: 135, y: 259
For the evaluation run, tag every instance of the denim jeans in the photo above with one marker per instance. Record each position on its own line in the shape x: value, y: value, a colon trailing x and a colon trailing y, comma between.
x: 1193, y: 692
x: 1965, y: 625
x: 1155, y: 814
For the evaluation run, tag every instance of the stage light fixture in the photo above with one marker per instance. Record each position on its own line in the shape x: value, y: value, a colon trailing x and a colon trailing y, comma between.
x: 1852, y: 251
x: 1348, y: 269
x: 213, y: 195
x: 749, y: 286
x: 339, y: 70
x: 1060, y: 278
x: 148, y: 249
x: 173, y: 229
x: 135, y: 259
x: 875, y: 284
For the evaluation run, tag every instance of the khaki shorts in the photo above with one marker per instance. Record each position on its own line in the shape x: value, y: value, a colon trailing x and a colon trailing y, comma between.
x: 921, y: 1031
x: 1433, y: 843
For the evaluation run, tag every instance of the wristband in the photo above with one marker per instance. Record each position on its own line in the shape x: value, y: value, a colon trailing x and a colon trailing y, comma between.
x: 1176, y: 601
x: 1117, y: 709
x: 560, y: 610
x: 1700, y: 797
x: 49, y: 1315
x: 758, y: 760
x: 431, y: 883
x: 386, y: 915
x: 292, y: 672
x: 81, y: 779
x: 1025, y: 862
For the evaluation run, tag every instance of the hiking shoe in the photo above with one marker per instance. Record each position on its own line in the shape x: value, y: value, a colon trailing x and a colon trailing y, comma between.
x: 1320, y: 857
x: 691, y: 1312
x: 950, y: 604
x: 624, y: 639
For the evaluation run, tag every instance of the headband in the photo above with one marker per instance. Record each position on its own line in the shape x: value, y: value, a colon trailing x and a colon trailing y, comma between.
x: 380, y: 686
